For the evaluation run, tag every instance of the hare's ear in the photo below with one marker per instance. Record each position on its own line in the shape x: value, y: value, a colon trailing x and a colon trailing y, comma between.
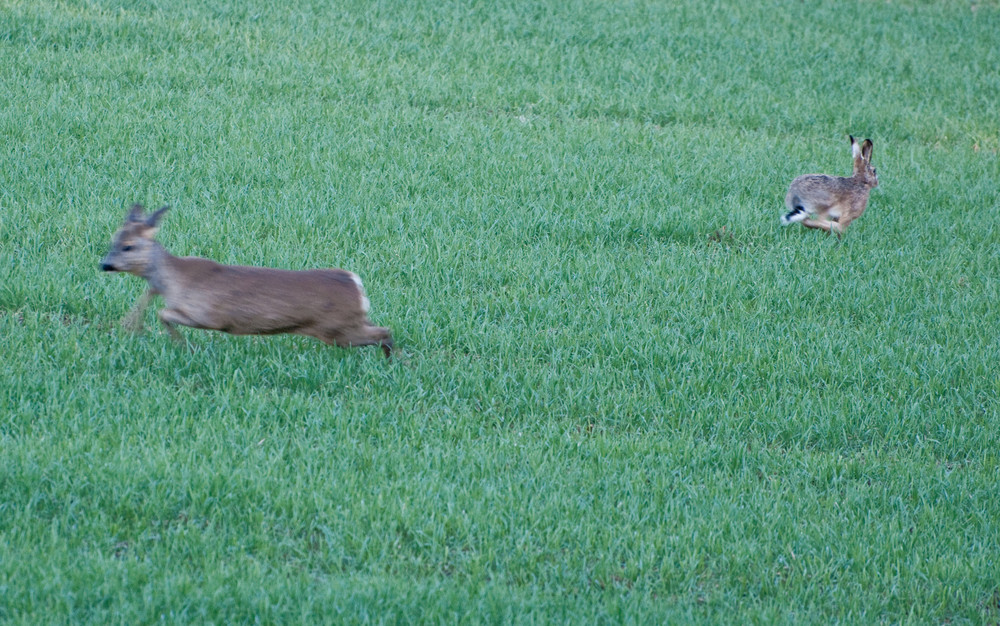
x: 866, y: 150
x: 855, y: 148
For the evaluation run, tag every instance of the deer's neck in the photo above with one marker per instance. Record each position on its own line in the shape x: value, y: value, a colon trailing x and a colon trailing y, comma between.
x: 158, y: 271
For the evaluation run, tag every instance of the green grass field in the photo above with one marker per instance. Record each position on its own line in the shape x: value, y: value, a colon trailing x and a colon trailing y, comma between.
x: 623, y: 392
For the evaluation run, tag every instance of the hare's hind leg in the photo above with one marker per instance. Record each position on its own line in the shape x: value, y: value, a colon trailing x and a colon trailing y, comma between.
x: 825, y: 225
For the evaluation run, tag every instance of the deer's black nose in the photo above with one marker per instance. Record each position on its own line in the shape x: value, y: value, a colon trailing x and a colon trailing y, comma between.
x: 107, y: 267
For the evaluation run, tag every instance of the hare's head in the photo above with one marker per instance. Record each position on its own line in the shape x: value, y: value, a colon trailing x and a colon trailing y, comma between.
x: 863, y: 169
x: 133, y: 247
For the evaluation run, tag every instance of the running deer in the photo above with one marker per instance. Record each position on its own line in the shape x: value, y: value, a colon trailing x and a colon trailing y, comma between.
x: 328, y: 304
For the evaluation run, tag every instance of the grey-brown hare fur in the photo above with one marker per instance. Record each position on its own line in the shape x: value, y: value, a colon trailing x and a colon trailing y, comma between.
x: 831, y: 203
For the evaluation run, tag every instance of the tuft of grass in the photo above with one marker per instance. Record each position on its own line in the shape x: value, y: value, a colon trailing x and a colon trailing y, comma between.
x: 623, y: 394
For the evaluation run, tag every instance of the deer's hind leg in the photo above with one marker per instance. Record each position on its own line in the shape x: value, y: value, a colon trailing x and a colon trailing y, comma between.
x: 367, y: 335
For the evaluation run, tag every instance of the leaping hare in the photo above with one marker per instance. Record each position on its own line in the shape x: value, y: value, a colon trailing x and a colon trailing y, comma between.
x: 831, y: 203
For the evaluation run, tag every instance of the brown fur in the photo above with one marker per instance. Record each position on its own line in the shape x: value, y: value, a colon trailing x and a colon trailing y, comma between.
x: 831, y: 203
x: 328, y: 304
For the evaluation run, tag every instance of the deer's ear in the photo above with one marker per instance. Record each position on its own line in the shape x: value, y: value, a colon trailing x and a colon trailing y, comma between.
x: 134, y: 214
x: 153, y: 220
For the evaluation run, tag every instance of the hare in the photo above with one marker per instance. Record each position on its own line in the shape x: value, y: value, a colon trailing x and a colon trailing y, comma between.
x: 831, y: 203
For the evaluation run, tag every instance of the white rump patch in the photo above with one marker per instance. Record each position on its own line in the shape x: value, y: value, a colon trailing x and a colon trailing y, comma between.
x: 795, y: 215
x: 365, y: 303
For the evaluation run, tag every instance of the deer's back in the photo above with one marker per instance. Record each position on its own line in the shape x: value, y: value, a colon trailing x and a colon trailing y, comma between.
x: 245, y: 299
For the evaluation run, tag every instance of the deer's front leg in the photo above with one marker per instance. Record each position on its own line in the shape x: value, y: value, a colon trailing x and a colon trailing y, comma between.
x: 169, y: 317
x: 133, y: 321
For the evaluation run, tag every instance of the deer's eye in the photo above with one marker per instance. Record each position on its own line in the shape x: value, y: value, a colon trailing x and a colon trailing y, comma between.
x: 126, y: 248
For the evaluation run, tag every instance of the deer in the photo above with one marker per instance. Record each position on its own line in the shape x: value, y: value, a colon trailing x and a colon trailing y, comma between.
x: 328, y: 304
